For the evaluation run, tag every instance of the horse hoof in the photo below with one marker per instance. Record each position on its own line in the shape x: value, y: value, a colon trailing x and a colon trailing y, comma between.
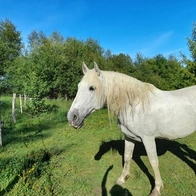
x: 120, y: 181
x: 155, y: 193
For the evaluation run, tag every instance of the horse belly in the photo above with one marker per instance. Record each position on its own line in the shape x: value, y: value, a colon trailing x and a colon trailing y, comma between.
x: 162, y: 118
x: 177, y: 125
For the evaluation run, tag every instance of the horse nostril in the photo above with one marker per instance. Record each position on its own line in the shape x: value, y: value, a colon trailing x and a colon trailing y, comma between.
x: 74, y: 117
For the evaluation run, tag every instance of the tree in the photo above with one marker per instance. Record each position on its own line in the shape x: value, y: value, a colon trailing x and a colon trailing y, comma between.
x: 192, y: 43
x: 166, y: 74
x: 178, y: 76
x: 35, y: 39
x: 121, y: 63
x: 147, y: 71
x: 44, y: 59
x: 68, y: 72
x: 10, y: 45
x: 139, y: 60
x: 191, y: 64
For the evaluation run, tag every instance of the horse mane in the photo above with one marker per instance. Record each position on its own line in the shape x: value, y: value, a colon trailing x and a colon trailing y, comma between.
x: 123, y: 89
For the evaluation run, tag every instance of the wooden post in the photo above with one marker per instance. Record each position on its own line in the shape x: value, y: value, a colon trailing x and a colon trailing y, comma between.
x: 20, y: 97
x: 13, y: 107
x: 25, y: 100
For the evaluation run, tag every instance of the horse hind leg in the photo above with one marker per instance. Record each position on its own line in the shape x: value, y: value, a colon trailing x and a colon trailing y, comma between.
x: 129, y: 147
x: 151, y: 151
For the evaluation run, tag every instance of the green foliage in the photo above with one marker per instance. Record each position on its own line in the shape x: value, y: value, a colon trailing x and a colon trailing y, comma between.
x: 192, y: 43
x: 50, y: 66
x: 166, y: 74
x: 10, y: 49
x: 121, y: 63
x: 39, y: 106
x: 35, y: 39
x: 10, y: 44
x: 191, y: 65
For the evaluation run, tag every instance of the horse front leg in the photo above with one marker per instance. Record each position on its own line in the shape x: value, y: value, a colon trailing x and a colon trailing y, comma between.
x: 151, y: 151
x: 128, y: 153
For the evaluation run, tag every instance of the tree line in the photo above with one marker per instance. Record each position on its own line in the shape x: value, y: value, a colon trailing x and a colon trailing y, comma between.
x: 50, y: 66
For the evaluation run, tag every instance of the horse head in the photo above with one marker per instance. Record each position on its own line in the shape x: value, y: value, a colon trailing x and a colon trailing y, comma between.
x: 89, y: 97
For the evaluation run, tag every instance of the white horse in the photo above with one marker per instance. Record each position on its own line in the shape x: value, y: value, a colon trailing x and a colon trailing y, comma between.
x: 143, y: 112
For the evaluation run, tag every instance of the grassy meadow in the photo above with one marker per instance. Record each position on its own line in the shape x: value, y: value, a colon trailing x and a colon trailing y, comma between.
x: 44, y: 155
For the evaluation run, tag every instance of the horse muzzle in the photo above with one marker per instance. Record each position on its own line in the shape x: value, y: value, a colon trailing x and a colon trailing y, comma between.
x: 77, y: 120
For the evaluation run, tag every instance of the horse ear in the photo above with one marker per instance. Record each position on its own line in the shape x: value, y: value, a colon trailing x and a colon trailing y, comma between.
x: 84, y: 68
x: 97, y: 69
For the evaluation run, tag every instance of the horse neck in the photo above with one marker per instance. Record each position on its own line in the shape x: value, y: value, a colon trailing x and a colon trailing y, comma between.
x: 121, y: 90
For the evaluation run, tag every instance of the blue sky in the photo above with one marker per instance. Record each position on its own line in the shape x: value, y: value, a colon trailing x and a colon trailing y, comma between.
x: 150, y: 27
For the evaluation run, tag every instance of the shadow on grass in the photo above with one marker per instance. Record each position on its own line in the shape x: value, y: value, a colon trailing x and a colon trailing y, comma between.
x: 10, y: 186
x: 41, y: 158
x: 116, y: 190
x: 24, y: 133
x: 32, y: 167
x: 182, y: 151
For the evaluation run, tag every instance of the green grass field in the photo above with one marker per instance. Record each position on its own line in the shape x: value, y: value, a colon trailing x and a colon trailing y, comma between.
x: 45, y: 156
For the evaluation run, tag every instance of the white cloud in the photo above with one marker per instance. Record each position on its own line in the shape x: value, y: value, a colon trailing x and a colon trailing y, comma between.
x: 157, y: 42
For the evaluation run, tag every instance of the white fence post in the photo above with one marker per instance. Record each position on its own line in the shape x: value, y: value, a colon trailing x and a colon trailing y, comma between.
x: 20, y: 97
x: 13, y: 107
x: 25, y: 100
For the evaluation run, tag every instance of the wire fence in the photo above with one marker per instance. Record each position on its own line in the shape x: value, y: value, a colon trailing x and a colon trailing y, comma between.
x: 21, y: 108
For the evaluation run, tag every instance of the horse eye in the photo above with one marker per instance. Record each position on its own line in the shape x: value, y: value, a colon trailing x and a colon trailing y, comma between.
x: 91, y: 88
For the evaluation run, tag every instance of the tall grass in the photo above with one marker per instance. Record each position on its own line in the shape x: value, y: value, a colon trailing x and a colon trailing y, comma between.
x: 43, y: 155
